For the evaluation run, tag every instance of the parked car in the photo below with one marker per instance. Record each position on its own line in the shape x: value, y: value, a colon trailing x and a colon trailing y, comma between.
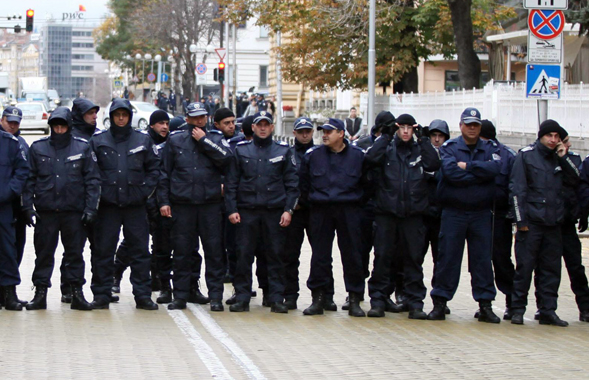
x: 34, y: 116
x: 141, y: 113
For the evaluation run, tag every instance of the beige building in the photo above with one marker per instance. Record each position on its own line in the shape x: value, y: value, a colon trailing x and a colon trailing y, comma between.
x: 19, y: 57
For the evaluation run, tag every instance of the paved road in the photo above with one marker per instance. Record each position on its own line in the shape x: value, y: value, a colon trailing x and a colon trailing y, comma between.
x: 127, y: 343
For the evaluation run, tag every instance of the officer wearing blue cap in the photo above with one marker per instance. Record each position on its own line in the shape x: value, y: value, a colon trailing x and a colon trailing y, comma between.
x: 64, y: 187
x: 466, y: 191
x: 331, y: 182
x: 261, y: 193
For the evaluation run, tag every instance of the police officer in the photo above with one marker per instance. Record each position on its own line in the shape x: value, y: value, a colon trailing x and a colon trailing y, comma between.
x: 331, y: 181
x: 502, y: 220
x: 190, y: 192
x: 13, y: 174
x: 401, y: 201
x: 129, y: 168
x: 64, y: 187
x: 261, y: 192
x: 84, y: 116
x: 467, y: 190
x: 535, y: 187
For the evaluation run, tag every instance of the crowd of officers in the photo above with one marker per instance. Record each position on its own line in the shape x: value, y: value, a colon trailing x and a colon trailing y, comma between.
x: 245, y: 196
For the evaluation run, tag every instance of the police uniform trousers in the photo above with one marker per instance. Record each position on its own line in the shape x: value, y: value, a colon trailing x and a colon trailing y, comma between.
x: 9, y: 274
x: 502, y: 263
x: 20, y: 230
x: 456, y: 227
x: 398, y: 239
x: 133, y: 219
x: 367, y: 231
x: 324, y: 221
x: 295, y: 235
x: 571, y: 253
x: 189, y: 223
x: 538, y: 249
x: 49, y: 226
x: 255, y: 224
x: 432, y: 233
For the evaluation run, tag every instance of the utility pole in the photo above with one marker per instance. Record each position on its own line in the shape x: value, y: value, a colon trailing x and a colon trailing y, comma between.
x: 371, y: 64
x: 234, y: 51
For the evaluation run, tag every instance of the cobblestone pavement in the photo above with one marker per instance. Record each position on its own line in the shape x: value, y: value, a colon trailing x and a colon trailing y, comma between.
x: 125, y: 343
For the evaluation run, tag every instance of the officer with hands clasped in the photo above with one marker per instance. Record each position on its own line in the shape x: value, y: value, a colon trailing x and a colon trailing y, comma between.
x: 261, y: 193
x: 129, y: 169
x: 64, y: 187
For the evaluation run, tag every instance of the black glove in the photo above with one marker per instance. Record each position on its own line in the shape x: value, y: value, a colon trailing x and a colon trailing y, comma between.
x: 389, y: 128
x: 418, y: 131
x: 583, y: 223
x: 89, y: 218
x: 29, y: 214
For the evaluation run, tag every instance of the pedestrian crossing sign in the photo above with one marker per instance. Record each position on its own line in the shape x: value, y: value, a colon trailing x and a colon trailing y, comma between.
x: 543, y: 81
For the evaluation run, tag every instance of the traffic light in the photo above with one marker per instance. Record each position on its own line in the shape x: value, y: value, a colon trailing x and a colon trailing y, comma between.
x: 215, y: 75
x: 30, y: 14
x: 221, y: 71
x: 17, y: 29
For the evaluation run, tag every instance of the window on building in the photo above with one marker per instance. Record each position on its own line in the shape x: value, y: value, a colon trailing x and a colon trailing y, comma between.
x: 83, y: 45
x: 452, y: 81
x: 263, y: 32
x: 263, y: 76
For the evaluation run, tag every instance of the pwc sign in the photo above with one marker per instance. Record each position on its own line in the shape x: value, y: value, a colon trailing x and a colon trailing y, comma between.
x: 72, y: 16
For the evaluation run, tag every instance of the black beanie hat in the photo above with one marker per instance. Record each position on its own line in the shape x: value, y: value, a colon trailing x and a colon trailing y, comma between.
x: 488, y: 130
x: 223, y: 113
x: 406, y: 119
x: 158, y: 116
x: 549, y: 126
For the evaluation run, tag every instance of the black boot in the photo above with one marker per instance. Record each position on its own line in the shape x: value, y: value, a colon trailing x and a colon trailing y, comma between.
x: 116, y: 284
x: 265, y: 300
x: 101, y: 303
x: 39, y: 302
x: 346, y: 305
x: 584, y: 316
x: 328, y: 304
x: 278, y: 307
x: 316, y: 307
x: 11, y: 299
x: 508, y: 311
x: 232, y: 300
x: 66, y: 294
x: 217, y: 305
x: 486, y: 313
x: 1, y: 296
x: 438, y: 313
x: 392, y: 307
x: 165, y: 293
x: 517, y: 319
x: 145, y: 303
x: 355, y: 309
x: 177, y: 304
x: 240, y: 306
x: 196, y: 296
x: 417, y: 314
x: 376, y: 311
x: 553, y: 320
x: 78, y: 300
x: 291, y: 303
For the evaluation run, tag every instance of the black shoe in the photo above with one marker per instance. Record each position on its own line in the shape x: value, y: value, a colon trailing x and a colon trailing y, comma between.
x: 165, y: 292
x: 265, y: 301
x: 447, y: 310
x: 116, y: 285
x: 517, y: 319
x: 400, y: 297
x: 66, y: 297
x: 231, y: 300
x: 392, y: 307
x: 537, y: 315
x: 346, y: 305
x: 156, y: 284
x: 417, y: 314
x: 145, y: 304
x: 278, y: 307
x: 508, y: 314
x: 329, y: 304
x: 553, y: 320
x: 438, y: 313
x: 177, y: 304
x: 39, y: 302
x: 78, y: 300
x: 486, y: 313
x: 376, y: 312
x: 316, y: 307
x: 240, y: 306
x: 217, y: 305
x: 197, y: 297
x: 114, y: 299
x: 100, y: 303
x: 291, y: 304
x: 355, y: 309
x: 11, y: 299
x: 584, y: 316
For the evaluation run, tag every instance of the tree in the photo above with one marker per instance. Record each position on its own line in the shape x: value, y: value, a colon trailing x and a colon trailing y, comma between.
x: 578, y: 13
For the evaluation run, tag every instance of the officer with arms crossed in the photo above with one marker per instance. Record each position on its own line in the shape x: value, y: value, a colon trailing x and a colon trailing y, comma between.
x: 261, y: 192
x: 129, y: 169
x: 535, y: 187
x: 331, y: 181
x: 466, y: 191
x: 64, y: 187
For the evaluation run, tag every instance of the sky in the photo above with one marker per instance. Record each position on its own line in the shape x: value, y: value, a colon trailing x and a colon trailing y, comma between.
x: 44, y: 9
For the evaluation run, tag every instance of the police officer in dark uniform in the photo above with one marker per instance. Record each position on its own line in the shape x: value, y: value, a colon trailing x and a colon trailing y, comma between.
x: 190, y: 192
x: 466, y: 191
x: 64, y: 187
x: 84, y: 116
x: 401, y: 201
x: 331, y: 181
x: 14, y: 170
x: 502, y: 220
x: 129, y: 168
x: 261, y: 192
x: 536, y: 190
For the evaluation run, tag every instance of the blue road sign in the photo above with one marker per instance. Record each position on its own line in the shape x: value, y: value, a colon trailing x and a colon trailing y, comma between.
x: 164, y: 77
x: 543, y: 81
x: 201, y: 69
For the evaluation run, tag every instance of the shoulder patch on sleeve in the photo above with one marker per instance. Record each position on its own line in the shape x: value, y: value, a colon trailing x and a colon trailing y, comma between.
x: 283, y: 143
x: 100, y: 132
x: 144, y: 132
x: 216, y: 131
x: 12, y: 137
x: 244, y: 142
x: 176, y: 132
x: 80, y: 139
x: 527, y: 148
x: 225, y: 143
x: 310, y: 150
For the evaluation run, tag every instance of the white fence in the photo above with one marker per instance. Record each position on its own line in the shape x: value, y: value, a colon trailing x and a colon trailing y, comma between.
x: 504, y: 104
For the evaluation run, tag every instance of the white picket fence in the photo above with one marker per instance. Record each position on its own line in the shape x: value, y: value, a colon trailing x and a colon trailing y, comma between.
x: 504, y: 104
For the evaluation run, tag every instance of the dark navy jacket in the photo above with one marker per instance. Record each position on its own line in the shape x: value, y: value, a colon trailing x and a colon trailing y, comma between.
x: 62, y: 180
x: 79, y: 127
x: 262, y: 174
x: 298, y: 151
x: 502, y: 180
x: 192, y: 170
x: 14, y: 169
x: 536, y: 185
x: 572, y: 206
x: 329, y: 177
x: 401, y: 187
x: 472, y: 189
